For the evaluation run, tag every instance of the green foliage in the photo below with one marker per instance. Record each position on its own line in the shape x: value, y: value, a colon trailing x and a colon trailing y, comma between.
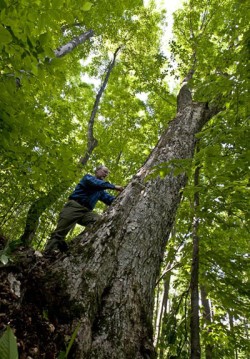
x: 8, y: 345
x: 220, y: 42
x: 212, y: 38
x: 46, y: 104
x: 175, y: 167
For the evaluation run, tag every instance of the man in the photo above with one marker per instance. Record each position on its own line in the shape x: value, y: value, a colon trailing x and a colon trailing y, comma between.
x: 80, y: 205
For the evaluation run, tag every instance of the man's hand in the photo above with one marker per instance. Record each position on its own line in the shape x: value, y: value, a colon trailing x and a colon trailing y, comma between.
x: 119, y: 188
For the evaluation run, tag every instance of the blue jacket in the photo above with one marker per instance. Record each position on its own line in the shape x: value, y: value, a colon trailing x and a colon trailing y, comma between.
x: 90, y: 190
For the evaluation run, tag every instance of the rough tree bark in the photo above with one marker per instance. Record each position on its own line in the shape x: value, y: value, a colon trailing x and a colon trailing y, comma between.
x: 106, y: 282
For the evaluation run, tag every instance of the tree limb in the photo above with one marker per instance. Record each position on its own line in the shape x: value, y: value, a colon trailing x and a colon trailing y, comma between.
x: 92, y: 141
x: 65, y: 49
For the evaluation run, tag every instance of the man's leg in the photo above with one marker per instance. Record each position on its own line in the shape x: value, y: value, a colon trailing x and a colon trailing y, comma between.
x: 88, y: 218
x: 71, y: 213
x: 56, y: 240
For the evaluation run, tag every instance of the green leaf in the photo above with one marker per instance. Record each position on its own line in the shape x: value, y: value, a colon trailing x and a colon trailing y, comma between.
x: 4, y: 259
x: 43, y: 38
x: 63, y: 354
x: 5, y: 36
x: 8, y: 345
x: 87, y: 6
x: 2, y: 4
x: 72, y: 339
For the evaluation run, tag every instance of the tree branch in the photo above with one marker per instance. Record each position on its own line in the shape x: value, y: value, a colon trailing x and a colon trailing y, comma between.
x: 184, y: 97
x: 65, y: 49
x: 92, y: 141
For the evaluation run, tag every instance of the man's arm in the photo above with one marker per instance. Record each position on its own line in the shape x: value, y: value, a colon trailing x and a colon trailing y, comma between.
x: 119, y: 188
x: 99, y: 184
x: 94, y: 182
x: 107, y: 198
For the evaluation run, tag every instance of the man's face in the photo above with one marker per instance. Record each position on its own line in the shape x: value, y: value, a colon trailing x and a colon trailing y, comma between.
x: 102, y: 173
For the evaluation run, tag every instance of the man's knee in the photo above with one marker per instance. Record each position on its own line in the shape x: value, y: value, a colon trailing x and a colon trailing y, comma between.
x: 92, y: 218
x: 95, y: 217
x: 89, y: 218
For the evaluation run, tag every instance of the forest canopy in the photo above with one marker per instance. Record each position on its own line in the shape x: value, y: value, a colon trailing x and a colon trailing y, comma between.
x: 57, y: 109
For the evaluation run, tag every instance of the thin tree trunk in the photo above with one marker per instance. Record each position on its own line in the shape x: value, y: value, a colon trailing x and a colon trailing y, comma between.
x: 162, y: 308
x: 36, y: 210
x: 247, y: 334
x: 41, y: 204
x: 194, y: 320
x: 208, y: 320
x: 231, y: 322
x: 158, y: 304
x: 163, y: 312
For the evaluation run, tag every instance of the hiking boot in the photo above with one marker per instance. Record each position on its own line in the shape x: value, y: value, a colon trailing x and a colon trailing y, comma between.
x: 56, y: 244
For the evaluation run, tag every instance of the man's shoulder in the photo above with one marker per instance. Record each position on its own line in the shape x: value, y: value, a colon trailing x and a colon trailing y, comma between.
x: 88, y: 176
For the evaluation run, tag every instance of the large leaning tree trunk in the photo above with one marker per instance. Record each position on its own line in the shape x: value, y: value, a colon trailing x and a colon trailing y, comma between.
x: 105, y: 285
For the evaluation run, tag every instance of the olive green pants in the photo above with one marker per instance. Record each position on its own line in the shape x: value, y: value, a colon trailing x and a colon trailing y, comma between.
x: 72, y: 213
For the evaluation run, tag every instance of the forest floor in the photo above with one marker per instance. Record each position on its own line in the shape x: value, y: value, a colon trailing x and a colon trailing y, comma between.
x: 39, y: 333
